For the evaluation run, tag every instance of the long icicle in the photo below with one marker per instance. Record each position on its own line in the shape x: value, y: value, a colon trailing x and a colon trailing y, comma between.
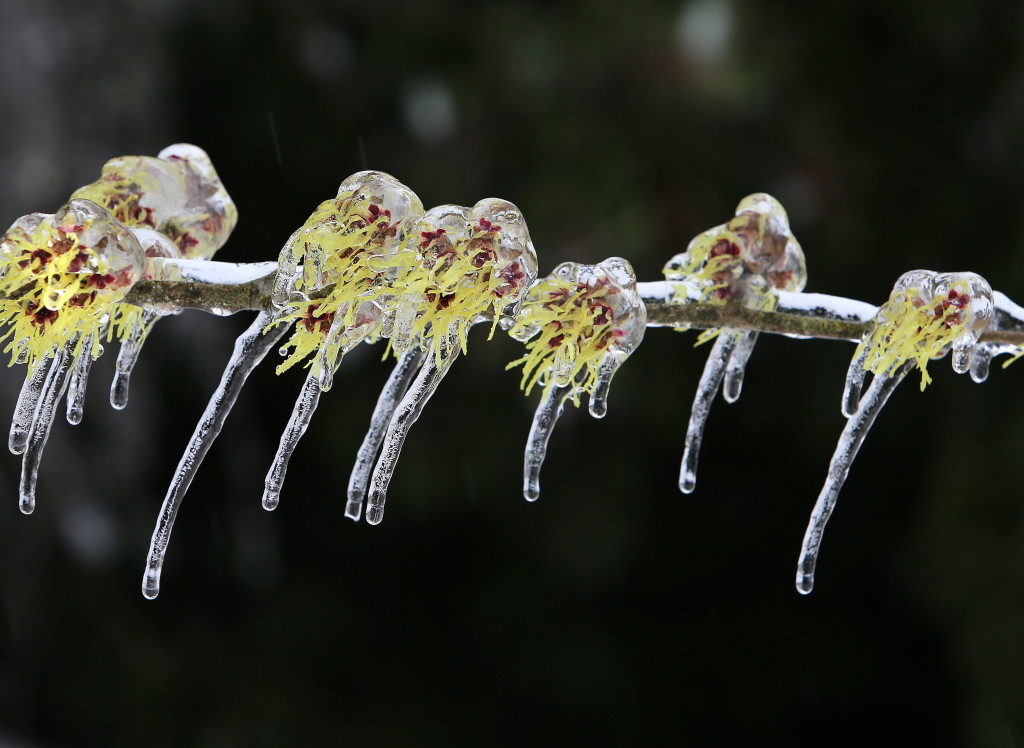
x: 42, y: 421
x: 544, y: 419
x: 408, y: 410
x: 79, y: 380
x: 298, y: 422
x: 127, y: 356
x: 707, y: 388
x: 857, y: 427
x: 251, y: 347
x: 25, y: 409
x: 394, y: 390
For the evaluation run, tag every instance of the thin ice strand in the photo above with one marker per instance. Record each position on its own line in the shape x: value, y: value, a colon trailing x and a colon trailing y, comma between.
x: 408, y: 410
x: 298, y: 422
x: 42, y: 421
x: 251, y: 347
x: 126, y: 358
x: 733, y: 383
x: 710, y: 379
x: 79, y: 381
x: 854, y: 383
x: 25, y: 409
x: 394, y: 390
x: 857, y: 427
x: 544, y: 419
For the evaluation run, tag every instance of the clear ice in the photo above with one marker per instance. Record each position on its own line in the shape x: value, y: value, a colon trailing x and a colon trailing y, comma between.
x: 408, y: 365
x: 857, y: 427
x: 749, y: 261
x: 251, y: 347
x: 408, y: 410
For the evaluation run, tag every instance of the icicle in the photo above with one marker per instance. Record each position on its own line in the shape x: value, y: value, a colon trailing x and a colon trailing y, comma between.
x: 394, y: 390
x: 854, y: 382
x: 408, y: 410
x: 24, y: 411
x: 42, y: 421
x: 733, y: 383
x: 548, y: 412
x: 305, y: 406
x: 251, y: 347
x: 857, y: 427
x: 127, y: 356
x: 79, y: 380
x: 607, y: 369
x: 710, y: 379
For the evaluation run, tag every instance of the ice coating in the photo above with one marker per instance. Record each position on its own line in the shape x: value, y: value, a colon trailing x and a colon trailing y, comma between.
x: 579, y: 324
x: 408, y: 410
x: 341, y: 248
x: 927, y: 315
x: 251, y: 347
x: 62, y: 275
x: 856, y: 429
x: 408, y: 365
x: 471, y: 264
x: 177, y: 193
x: 749, y: 260
x: 177, y: 207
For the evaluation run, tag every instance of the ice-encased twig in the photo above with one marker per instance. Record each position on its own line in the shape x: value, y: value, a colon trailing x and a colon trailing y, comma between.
x: 710, y: 380
x: 548, y: 411
x: 127, y: 356
x: 394, y: 390
x: 25, y: 409
x: 251, y: 347
x: 427, y: 380
x: 42, y: 420
x: 857, y: 427
x: 79, y: 381
x: 298, y: 422
x: 733, y: 383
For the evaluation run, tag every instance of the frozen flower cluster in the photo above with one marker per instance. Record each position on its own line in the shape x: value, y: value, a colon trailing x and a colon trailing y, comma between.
x: 369, y: 264
x: 581, y: 323
x: 747, y: 260
x: 63, y: 278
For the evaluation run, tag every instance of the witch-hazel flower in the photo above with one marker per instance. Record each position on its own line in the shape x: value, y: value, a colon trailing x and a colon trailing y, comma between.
x: 927, y: 316
x: 580, y: 324
x: 745, y: 261
x: 61, y: 279
x: 471, y: 265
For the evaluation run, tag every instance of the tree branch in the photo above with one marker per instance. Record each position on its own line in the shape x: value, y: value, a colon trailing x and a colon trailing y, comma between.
x: 225, y: 288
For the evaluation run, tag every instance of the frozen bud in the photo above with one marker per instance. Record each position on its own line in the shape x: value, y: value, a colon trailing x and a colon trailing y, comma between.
x: 928, y: 315
x: 501, y: 230
x: 207, y: 215
x: 177, y: 194
x: 746, y: 259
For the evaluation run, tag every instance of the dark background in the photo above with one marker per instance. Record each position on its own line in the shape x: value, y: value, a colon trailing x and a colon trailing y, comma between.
x: 614, y: 610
